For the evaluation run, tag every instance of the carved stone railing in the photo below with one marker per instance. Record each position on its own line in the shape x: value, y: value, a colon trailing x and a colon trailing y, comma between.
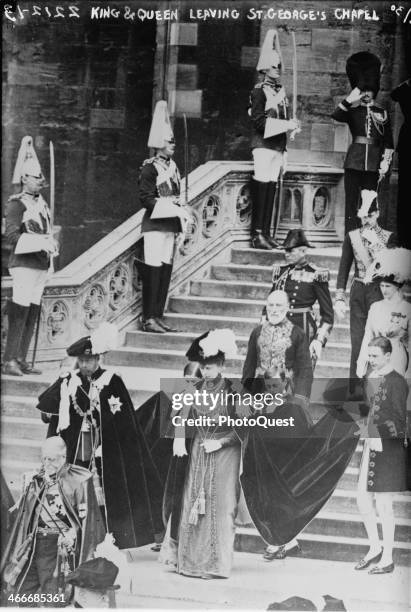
x: 103, y: 283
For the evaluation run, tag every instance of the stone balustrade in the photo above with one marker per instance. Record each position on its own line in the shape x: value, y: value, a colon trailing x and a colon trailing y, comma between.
x: 104, y: 284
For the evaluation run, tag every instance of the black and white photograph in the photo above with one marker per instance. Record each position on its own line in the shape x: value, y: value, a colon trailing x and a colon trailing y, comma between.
x: 206, y: 305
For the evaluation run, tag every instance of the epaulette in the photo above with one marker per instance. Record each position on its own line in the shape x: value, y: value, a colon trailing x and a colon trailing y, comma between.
x: 148, y: 161
x: 276, y: 271
x: 322, y: 275
x: 15, y: 196
x: 259, y: 85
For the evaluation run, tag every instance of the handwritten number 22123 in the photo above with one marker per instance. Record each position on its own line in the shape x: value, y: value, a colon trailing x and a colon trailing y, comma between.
x: 54, y: 13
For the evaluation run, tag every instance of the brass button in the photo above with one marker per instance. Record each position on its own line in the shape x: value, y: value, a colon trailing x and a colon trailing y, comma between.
x: 372, y: 464
x: 371, y: 482
x: 371, y: 473
x: 372, y: 454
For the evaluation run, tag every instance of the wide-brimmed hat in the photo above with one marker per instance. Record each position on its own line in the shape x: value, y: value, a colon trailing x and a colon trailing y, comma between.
x: 97, y: 574
x: 213, y: 343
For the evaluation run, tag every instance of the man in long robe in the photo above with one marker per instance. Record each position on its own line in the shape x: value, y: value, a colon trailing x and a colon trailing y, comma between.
x: 91, y: 409
x: 58, y: 522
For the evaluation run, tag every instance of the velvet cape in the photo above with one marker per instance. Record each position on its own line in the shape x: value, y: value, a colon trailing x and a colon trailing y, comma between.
x: 131, y: 482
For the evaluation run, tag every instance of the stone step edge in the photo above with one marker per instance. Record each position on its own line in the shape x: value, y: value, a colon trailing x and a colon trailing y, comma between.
x: 248, y: 267
x: 236, y: 283
x: 201, y: 317
x: 174, y: 353
x: 191, y: 335
x: 310, y: 537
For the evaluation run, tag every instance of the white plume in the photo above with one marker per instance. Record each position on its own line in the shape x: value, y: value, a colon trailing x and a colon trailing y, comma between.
x: 108, y: 550
x: 367, y: 198
x: 104, y: 338
x: 219, y: 340
x: 395, y: 262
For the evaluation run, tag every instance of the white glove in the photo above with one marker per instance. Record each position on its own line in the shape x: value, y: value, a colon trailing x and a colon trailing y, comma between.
x: 210, y: 446
x: 294, y: 124
x: 384, y: 167
x: 355, y: 96
x: 316, y: 348
x: 340, y: 309
x: 179, y: 447
x: 285, y: 161
x: 375, y: 444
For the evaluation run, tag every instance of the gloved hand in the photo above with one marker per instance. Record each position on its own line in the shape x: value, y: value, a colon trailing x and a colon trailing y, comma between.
x: 340, y: 309
x: 179, y: 447
x: 316, y: 348
x: 355, y: 96
x: 210, y: 446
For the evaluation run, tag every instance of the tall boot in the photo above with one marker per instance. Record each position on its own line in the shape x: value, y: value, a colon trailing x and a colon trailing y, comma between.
x: 151, y: 288
x: 259, y: 197
x: 268, y: 214
x: 31, y: 321
x: 165, y: 278
x: 17, y: 315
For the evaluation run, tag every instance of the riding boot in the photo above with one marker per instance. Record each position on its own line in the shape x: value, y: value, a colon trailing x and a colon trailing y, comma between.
x: 17, y: 315
x: 29, y: 328
x: 259, y: 197
x: 269, y: 214
x: 165, y: 278
x: 151, y: 288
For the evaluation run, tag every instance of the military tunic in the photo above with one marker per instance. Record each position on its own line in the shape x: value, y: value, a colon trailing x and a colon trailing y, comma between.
x: 372, y: 140
x: 260, y: 97
x: 305, y: 284
x: 358, y: 250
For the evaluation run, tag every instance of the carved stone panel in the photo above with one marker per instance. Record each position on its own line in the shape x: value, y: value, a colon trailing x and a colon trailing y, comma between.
x: 94, y: 306
x: 190, y: 237
x: 211, y: 214
x: 57, y: 322
x: 244, y: 205
x: 119, y: 286
x: 321, y: 208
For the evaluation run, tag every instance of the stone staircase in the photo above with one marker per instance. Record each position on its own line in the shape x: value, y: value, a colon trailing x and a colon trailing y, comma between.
x: 231, y: 295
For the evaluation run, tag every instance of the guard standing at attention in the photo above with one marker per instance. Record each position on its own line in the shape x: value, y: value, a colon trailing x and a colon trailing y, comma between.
x: 164, y: 218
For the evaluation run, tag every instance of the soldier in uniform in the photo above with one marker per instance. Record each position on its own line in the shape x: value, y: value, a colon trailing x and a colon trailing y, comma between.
x: 360, y: 247
x: 305, y: 284
x: 29, y: 233
x: 369, y: 156
x: 159, y: 193
x: 268, y: 101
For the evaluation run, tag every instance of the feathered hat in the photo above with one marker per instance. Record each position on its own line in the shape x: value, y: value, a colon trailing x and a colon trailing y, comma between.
x: 369, y: 203
x: 270, y: 54
x: 392, y: 266
x: 218, y: 343
x: 364, y: 71
x: 161, y: 129
x: 101, y: 340
x: 27, y: 161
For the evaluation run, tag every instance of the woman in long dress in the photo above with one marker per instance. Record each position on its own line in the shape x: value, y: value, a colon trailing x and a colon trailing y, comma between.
x: 391, y: 316
x: 202, y: 543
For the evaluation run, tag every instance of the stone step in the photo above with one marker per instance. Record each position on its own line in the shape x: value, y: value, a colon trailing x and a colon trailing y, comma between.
x: 162, y: 358
x: 233, y: 289
x: 28, y: 385
x: 345, y: 501
x: 243, y: 272
x: 334, y: 523
x: 26, y: 428
x: 199, y: 323
x: 16, y: 448
x: 217, y: 306
x: 19, y: 405
x: 181, y: 341
x: 320, y: 546
x: 329, y: 258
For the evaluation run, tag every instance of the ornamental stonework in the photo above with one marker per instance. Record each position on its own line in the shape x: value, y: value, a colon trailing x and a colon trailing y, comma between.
x: 244, y: 205
x: 211, y: 214
x: 94, y: 306
x: 57, y: 322
x: 119, y: 286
